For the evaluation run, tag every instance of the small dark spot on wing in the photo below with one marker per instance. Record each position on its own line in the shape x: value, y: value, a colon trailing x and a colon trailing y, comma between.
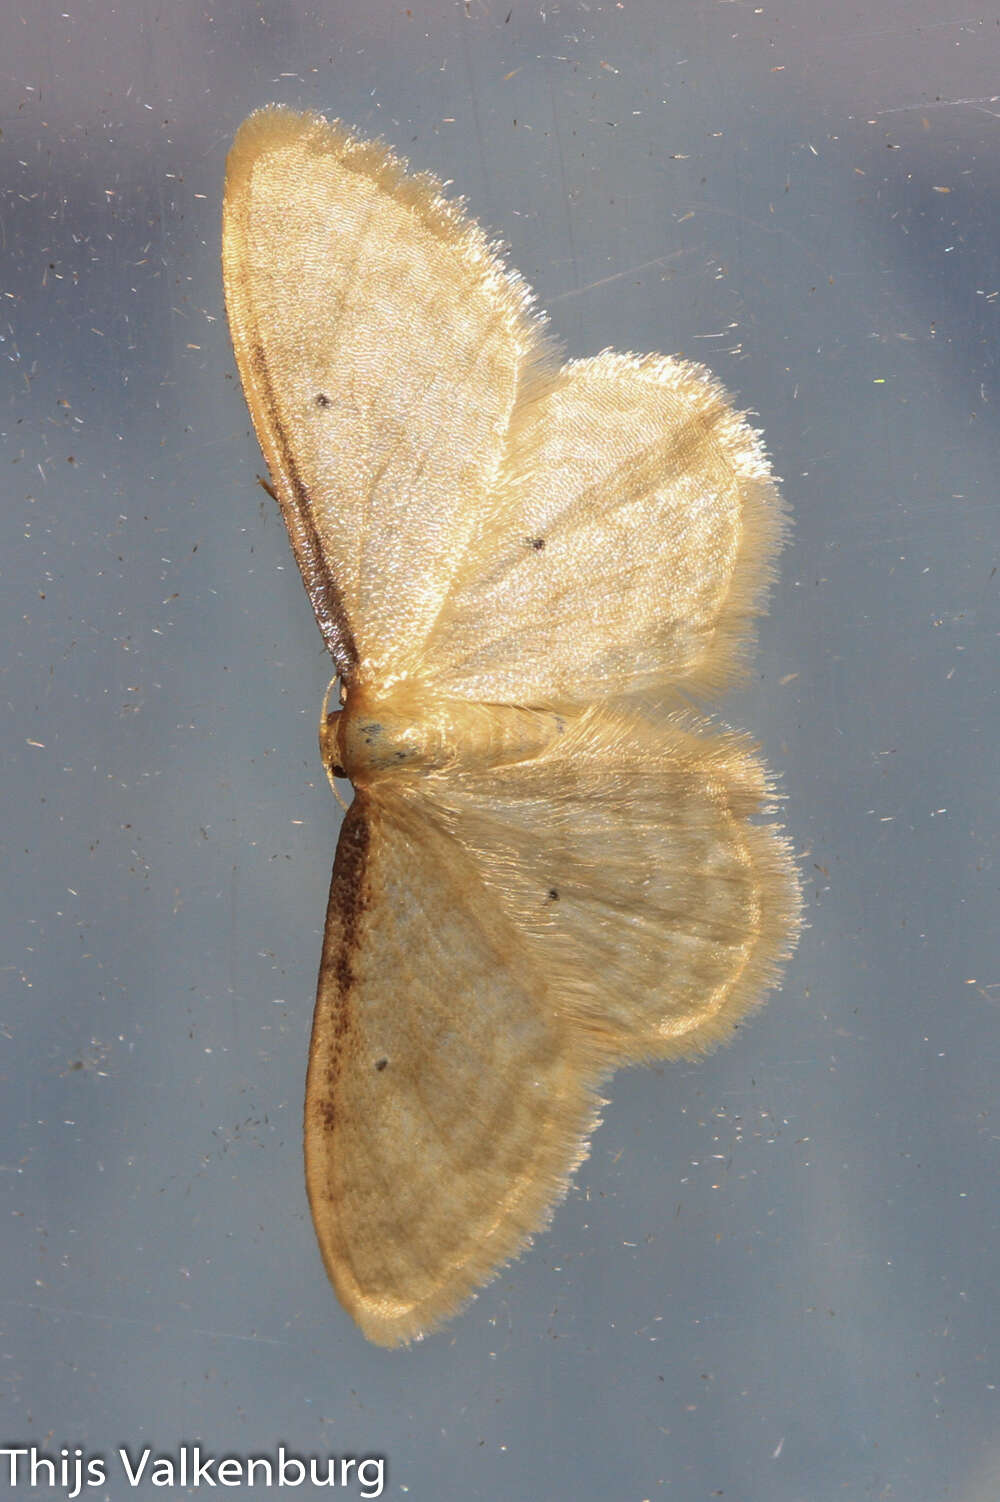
x: 380, y: 1064
x: 537, y: 543
x: 321, y: 399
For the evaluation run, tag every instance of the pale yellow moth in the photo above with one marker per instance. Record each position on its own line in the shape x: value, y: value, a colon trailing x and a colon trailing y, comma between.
x: 523, y: 573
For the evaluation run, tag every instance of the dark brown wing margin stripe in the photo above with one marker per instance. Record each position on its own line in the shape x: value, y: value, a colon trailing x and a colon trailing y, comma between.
x: 327, y: 601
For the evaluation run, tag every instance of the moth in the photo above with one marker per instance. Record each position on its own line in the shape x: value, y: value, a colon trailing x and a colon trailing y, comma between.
x: 526, y: 575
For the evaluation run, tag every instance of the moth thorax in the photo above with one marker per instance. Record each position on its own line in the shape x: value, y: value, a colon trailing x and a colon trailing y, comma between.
x: 373, y: 738
x: 407, y: 732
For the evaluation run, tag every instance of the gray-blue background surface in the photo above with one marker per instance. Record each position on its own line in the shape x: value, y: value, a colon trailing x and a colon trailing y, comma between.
x: 775, y: 1280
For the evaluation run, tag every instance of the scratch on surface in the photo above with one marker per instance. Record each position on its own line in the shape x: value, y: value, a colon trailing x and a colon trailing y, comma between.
x: 892, y: 31
x: 940, y: 104
x: 159, y: 1326
x: 616, y: 276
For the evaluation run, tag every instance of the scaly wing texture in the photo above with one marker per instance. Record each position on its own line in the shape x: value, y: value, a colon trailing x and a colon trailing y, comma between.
x: 627, y: 548
x: 498, y: 936
x: 625, y: 858
x: 495, y: 943
x: 446, y: 1102
x: 380, y: 342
